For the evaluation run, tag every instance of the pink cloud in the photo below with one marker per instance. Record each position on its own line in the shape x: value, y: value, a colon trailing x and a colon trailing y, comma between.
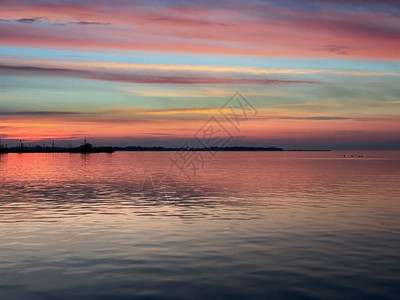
x: 248, y: 30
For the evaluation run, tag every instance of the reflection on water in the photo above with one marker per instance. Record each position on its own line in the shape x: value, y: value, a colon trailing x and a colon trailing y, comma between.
x: 283, y: 225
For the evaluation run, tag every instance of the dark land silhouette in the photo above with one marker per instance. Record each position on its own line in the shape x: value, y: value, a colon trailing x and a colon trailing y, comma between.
x: 234, y: 148
x: 84, y: 148
x: 89, y: 148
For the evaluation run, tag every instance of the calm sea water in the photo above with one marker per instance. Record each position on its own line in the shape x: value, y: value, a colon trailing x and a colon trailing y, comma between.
x: 270, y: 225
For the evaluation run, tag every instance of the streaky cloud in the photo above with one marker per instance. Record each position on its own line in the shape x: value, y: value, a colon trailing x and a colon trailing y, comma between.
x: 38, y: 113
x: 270, y: 31
x: 137, y: 76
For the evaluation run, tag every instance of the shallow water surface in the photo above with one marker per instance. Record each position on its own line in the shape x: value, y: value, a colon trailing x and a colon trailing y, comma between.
x: 251, y: 224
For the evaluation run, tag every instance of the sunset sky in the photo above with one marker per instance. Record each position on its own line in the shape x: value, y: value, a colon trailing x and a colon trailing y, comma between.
x: 321, y: 74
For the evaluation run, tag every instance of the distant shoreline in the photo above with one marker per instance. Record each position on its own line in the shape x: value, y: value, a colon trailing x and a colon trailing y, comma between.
x: 215, y: 149
x: 149, y: 149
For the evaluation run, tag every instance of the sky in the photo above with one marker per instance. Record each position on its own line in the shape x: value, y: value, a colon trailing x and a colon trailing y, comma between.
x: 319, y: 74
